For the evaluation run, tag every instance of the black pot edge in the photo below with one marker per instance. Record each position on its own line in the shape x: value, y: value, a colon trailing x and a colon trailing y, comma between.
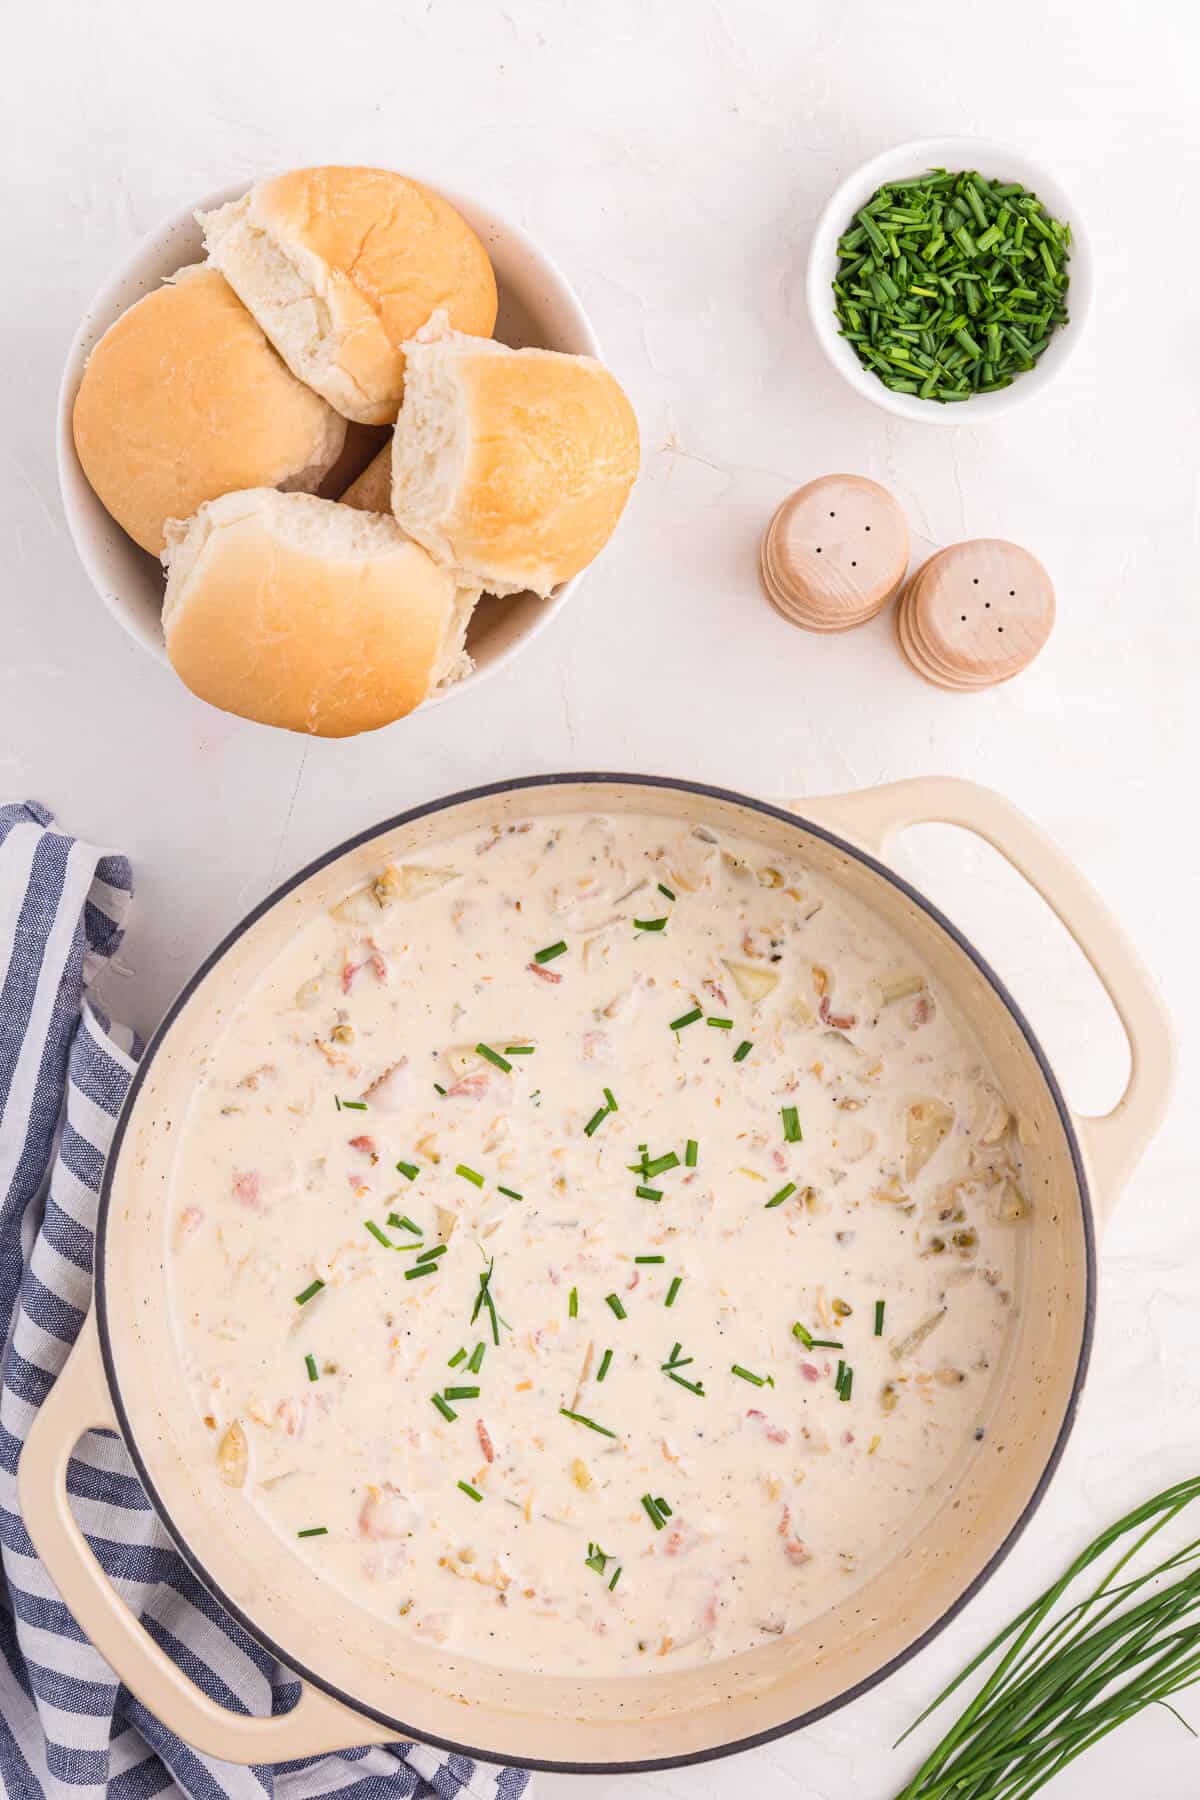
x: 527, y: 783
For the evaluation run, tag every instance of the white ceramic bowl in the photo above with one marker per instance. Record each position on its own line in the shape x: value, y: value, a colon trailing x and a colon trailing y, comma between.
x: 537, y: 307
x: 998, y: 162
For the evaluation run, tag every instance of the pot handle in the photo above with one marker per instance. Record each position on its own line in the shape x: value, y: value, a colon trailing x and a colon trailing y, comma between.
x: 1114, y: 1141
x: 79, y: 1401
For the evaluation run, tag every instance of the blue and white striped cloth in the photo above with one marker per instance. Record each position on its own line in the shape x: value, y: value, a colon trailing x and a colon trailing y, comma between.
x: 66, y: 1725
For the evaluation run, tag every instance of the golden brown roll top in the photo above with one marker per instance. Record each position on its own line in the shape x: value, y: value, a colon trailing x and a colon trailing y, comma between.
x: 514, y: 465
x: 183, y: 399
x: 340, y: 266
x: 309, y: 615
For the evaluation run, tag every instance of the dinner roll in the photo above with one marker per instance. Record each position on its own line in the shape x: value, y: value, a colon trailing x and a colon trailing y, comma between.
x: 340, y: 266
x: 303, y: 613
x: 372, y: 490
x: 183, y: 399
x: 514, y: 465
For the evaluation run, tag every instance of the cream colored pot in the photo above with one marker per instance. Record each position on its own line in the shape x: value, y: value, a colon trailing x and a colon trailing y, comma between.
x: 362, y: 1682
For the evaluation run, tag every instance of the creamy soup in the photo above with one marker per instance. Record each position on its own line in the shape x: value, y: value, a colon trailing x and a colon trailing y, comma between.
x: 592, y: 1243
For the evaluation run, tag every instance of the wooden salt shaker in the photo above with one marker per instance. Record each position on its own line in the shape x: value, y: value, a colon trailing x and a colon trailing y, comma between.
x: 835, y: 553
x: 975, y: 614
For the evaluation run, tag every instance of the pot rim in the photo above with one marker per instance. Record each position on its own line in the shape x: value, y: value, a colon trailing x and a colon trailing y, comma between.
x: 709, y: 792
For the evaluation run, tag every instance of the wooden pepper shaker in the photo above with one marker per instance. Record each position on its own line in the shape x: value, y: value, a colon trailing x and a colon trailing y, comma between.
x: 835, y: 553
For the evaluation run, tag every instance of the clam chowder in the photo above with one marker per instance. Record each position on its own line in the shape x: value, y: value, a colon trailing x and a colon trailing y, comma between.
x: 591, y: 1242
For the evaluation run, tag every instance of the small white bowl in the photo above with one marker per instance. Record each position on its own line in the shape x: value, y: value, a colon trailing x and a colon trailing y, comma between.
x: 537, y: 307
x: 997, y: 162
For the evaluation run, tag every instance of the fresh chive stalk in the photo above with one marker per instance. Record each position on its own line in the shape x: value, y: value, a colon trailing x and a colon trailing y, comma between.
x: 310, y: 1363
x: 879, y: 1311
x: 472, y: 1493
x: 1071, y: 1670
x: 672, y: 1291
x: 550, y: 952
x: 614, y: 1300
x: 605, y: 1360
x: 493, y: 1056
x: 785, y: 1193
x: 314, y: 1287
x: 471, y: 1175
x: 409, y: 1170
x: 791, y: 1124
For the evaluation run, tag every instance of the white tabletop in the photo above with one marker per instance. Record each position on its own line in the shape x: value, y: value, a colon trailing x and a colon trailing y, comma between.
x: 673, y: 157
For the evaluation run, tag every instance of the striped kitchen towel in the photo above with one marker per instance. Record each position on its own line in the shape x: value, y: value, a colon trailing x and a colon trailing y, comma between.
x: 66, y: 1724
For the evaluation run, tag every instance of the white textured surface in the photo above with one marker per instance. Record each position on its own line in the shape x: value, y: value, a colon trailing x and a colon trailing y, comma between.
x: 673, y: 156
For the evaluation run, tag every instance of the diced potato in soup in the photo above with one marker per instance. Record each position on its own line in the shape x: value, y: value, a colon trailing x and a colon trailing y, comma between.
x: 591, y: 1242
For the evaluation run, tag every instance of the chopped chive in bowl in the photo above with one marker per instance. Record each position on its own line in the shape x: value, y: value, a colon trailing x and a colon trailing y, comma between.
x: 951, y: 284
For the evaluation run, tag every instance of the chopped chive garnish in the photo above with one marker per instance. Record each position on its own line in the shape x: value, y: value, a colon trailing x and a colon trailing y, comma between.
x: 314, y: 1287
x: 791, y: 1124
x: 675, y: 1361
x: 879, y: 1308
x: 472, y: 1493
x: 749, y: 1375
x: 402, y: 1222
x: 612, y: 1104
x: 612, y: 1584
x: 614, y: 1300
x: 439, y: 1089
x: 785, y: 1193
x: 602, y: 1371
x: 652, y: 1512
x: 432, y: 1254
x: 827, y: 1344
x: 352, y: 1106
x: 597, y: 1119
x: 591, y: 1424
x: 573, y: 1304
x: 693, y: 1387
x: 484, y: 1299
x: 519, y: 1049
x: 314, y: 1531
x: 664, y: 889
x: 460, y: 1355
x: 310, y: 1363
x: 597, y: 1559
x: 471, y: 1175
x: 743, y: 1050
x: 659, y: 1165
x: 477, y: 1356
x: 804, y: 1334
x: 846, y: 1385
x: 687, y: 1018
x: 648, y: 1193
x: 649, y: 1259
x: 382, y: 1236
x: 676, y: 1284
x: 420, y: 1268
x: 462, y: 1393
x: 691, y: 1155
x: 447, y: 1412
x: 649, y: 924
x: 662, y: 1506
x: 409, y: 1170
x: 550, y: 952
x: 840, y: 1376
x: 511, y: 1192
x: 494, y: 1056
x: 720, y: 1024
